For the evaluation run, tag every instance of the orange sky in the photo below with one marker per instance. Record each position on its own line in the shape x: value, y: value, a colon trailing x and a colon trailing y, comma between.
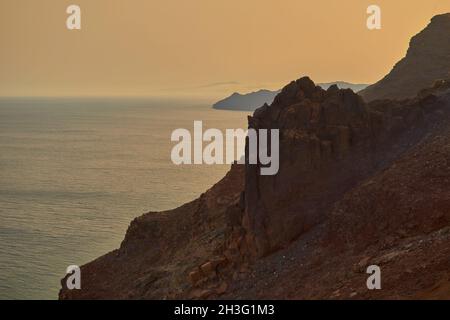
x: 199, y: 47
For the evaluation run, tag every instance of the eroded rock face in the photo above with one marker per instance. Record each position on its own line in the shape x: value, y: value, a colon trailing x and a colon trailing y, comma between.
x: 329, y: 142
x: 427, y: 59
x: 316, y: 128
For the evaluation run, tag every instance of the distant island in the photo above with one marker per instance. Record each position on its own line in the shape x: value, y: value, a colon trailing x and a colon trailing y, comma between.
x: 252, y: 101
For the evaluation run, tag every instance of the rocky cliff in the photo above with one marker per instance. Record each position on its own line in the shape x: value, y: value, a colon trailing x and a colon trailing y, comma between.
x: 330, y: 141
x: 358, y: 183
x: 427, y: 59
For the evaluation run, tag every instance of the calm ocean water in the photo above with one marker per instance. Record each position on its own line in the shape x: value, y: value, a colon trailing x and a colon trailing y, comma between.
x: 75, y: 172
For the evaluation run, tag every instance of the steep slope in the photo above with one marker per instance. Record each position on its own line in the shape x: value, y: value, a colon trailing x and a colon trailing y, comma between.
x: 427, y: 60
x: 160, y: 249
x: 341, y: 200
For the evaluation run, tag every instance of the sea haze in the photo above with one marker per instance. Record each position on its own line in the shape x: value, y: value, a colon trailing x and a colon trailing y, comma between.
x: 75, y: 172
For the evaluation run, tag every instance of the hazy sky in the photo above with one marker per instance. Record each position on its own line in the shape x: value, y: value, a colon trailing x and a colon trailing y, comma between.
x: 206, y: 47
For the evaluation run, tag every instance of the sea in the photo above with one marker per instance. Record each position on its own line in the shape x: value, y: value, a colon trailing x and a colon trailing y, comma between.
x: 74, y: 172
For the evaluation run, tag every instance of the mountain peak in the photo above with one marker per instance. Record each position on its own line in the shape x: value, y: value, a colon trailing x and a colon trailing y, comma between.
x: 427, y: 60
x: 440, y: 17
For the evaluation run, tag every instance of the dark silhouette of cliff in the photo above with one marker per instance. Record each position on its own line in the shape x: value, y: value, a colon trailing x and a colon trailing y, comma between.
x: 427, y: 59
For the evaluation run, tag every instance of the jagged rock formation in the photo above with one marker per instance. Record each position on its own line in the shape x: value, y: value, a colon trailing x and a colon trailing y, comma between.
x: 427, y: 59
x: 341, y: 162
x: 397, y: 218
x: 330, y: 141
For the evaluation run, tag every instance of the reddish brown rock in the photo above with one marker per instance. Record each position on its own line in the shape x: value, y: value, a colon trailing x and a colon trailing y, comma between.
x: 195, y: 276
x: 222, y: 288
x: 208, y: 269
